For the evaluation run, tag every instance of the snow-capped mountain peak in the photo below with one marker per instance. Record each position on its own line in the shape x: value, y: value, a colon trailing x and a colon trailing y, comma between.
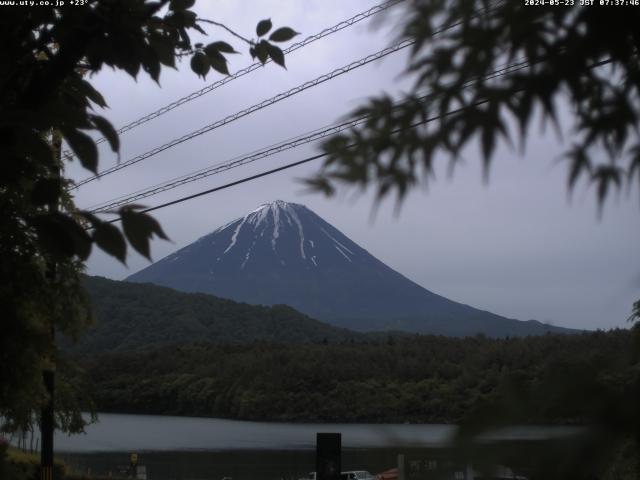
x: 290, y: 229
x: 283, y: 253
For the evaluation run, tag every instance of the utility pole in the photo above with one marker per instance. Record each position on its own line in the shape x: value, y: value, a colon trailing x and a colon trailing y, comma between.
x: 47, y: 420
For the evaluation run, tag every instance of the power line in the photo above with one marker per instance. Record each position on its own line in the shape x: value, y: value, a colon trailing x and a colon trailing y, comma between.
x: 314, y: 157
x: 228, y: 185
x: 273, y: 149
x: 228, y: 165
x: 254, y: 66
x: 265, y: 103
x: 254, y: 108
x: 290, y: 165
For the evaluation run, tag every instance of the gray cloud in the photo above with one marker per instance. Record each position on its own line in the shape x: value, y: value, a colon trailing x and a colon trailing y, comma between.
x: 516, y: 246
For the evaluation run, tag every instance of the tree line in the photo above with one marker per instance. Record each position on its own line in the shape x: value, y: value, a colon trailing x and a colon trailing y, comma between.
x: 389, y: 378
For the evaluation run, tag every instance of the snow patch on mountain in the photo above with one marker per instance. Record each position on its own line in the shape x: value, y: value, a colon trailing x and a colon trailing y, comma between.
x: 276, y: 225
x: 338, y: 246
x: 234, y: 237
x: 293, y: 215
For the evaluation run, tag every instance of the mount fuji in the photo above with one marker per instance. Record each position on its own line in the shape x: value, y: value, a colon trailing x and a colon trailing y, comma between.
x: 283, y: 253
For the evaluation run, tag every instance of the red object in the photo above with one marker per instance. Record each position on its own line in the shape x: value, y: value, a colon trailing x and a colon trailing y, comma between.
x: 391, y: 474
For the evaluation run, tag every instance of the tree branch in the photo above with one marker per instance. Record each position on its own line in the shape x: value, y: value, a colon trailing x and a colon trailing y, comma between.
x: 222, y: 25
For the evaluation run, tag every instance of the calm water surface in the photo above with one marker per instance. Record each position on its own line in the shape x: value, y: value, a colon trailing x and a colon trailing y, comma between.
x: 115, y: 432
x: 186, y: 448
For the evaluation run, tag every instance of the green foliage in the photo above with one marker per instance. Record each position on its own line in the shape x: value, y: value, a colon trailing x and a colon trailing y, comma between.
x: 263, y: 49
x: 569, y: 54
x: 32, y: 304
x: 458, y: 48
x: 263, y: 27
x: 17, y: 465
x: 133, y: 316
x: 591, y: 380
x: 283, y: 34
x: 416, y: 378
x: 45, y: 98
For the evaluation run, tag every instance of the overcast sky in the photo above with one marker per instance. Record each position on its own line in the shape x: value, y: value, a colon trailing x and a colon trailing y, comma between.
x: 517, y: 246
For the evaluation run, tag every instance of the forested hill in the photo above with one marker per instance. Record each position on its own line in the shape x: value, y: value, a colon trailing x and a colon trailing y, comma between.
x: 132, y: 315
x: 395, y: 379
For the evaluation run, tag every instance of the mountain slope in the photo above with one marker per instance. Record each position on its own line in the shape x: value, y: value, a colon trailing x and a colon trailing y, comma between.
x: 283, y: 253
x: 130, y: 316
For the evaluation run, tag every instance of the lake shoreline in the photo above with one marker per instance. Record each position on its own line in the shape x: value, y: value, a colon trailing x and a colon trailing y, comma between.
x: 312, y: 421
x: 126, y: 432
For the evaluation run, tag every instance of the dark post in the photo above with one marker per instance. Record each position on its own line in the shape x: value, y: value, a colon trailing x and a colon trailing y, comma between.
x: 133, y: 465
x: 46, y: 428
x: 328, y: 456
x: 47, y: 424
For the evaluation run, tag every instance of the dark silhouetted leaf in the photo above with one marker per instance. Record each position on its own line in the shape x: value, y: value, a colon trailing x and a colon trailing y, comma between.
x: 283, y: 34
x: 634, y: 167
x: 220, y: 46
x: 276, y: 54
x: 153, y: 7
x: 200, y: 64
x: 62, y: 235
x: 151, y: 65
x: 580, y: 162
x: 84, y: 148
x: 218, y: 62
x: 604, y: 176
x: 164, y: 49
x: 190, y: 19
x: 488, y: 144
x: 181, y: 4
x: 319, y: 184
x: 107, y: 237
x: 263, y: 27
x: 110, y: 239
x: 91, y: 93
x: 139, y: 228
x: 107, y: 131
x: 262, y: 51
x: 131, y: 65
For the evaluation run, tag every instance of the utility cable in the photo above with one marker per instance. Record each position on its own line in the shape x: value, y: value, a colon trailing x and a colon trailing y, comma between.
x: 228, y: 165
x: 303, y: 161
x: 245, y: 159
x: 254, y: 66
x: 248, y: 111
x: 291, y: 165
x: 265, y: 103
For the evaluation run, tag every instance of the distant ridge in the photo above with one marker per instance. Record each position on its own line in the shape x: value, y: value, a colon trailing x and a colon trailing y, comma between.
x: 283, y: 253
x: 133, y: 316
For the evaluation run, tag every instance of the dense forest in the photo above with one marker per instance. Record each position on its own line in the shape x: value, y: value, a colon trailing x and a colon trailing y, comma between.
x: 130, y: 316
x: 388, y: 379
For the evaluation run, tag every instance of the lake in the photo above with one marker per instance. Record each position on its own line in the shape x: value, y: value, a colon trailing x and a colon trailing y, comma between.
x: 187, y: 448
x: 115, y: 432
